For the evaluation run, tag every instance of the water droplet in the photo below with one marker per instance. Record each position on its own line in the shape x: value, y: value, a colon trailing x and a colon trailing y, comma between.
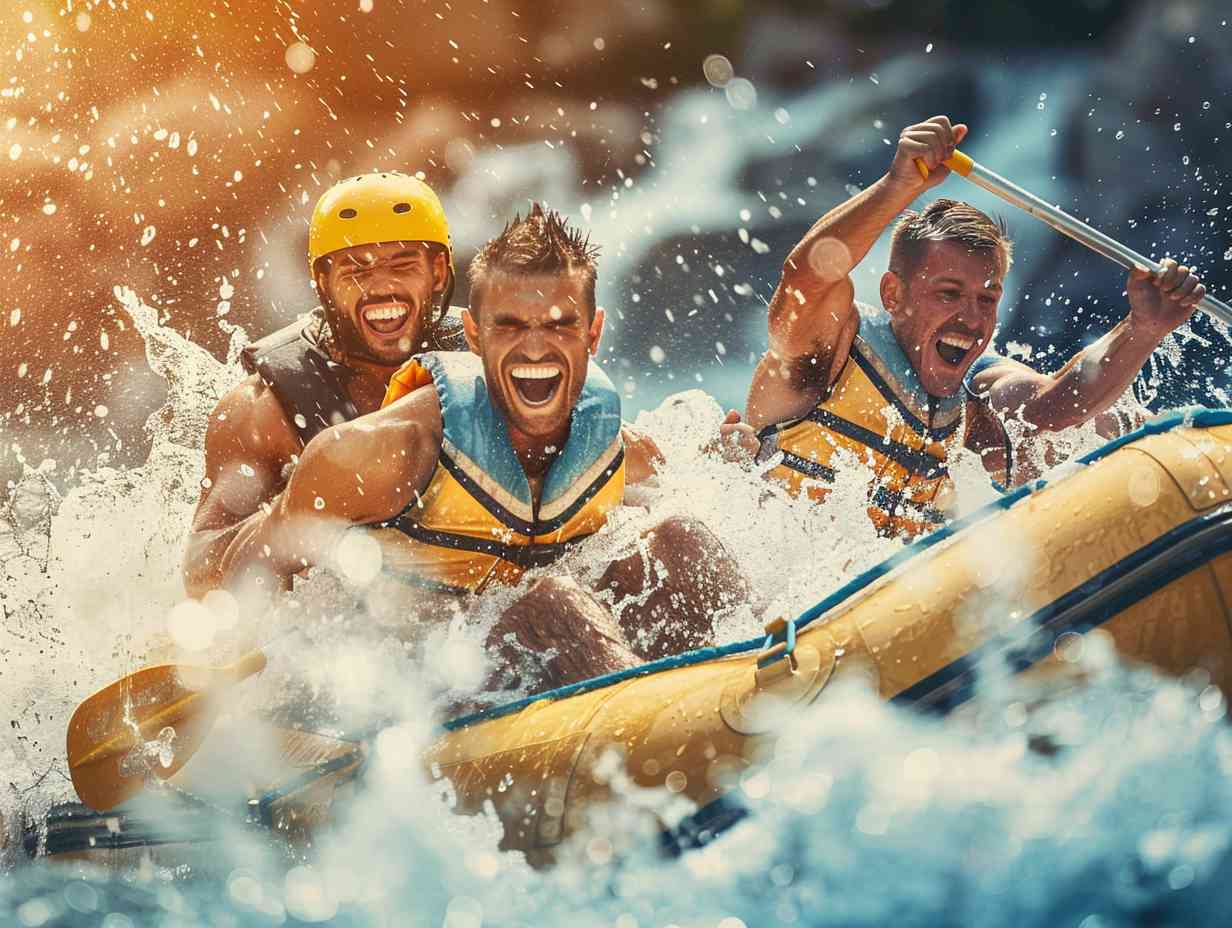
x: 15, y: 151
x: 101, y: 411
x: 365, y: 6
x: 717, y: 70
x: 1176, y: 127
x: 741, y: 93
x: 1120, y: 135
x: 166, y: 747
x: 83, y: 21
x: 300, y: 58
x: 191, y: 625
x: 147, y: 235
x: 359, y: 557
x: 657, y: 354
x: 928, y: 49
x: 318, y: 503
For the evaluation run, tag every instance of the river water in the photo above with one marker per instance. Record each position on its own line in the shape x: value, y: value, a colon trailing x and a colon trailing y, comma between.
x: 865, y: 815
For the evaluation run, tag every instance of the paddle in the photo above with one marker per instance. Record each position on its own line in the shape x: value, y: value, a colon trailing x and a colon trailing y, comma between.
x: 1063, y: 222
x: 119, y: 736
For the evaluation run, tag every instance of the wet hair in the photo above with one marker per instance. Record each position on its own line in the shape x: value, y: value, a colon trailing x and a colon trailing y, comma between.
x: 948, y: 221
x: 542, y: 242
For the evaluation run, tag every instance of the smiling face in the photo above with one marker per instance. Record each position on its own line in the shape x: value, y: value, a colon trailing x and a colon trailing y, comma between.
x: 944, y: 313
x: 536, y: 335
x: 380, y: 298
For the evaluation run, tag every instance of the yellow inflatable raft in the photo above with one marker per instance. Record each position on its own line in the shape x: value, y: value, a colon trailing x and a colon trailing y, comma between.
x: 1134, y: 540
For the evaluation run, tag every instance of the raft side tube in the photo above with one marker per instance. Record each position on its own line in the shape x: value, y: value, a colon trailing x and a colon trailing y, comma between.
x: 1135, y: 543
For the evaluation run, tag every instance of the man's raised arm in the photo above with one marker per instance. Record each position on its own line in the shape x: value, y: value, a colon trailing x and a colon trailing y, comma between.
x: 812, y: 313
x: 1096, y: 377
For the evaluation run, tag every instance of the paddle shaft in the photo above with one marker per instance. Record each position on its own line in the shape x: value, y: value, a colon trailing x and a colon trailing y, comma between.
x: 1066, y: 224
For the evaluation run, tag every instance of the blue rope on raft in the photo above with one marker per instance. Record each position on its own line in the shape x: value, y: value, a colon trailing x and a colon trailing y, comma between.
x: 1196, y: 417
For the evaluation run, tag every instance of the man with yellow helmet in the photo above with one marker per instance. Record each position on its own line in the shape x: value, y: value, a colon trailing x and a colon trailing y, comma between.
x: 381, y: 260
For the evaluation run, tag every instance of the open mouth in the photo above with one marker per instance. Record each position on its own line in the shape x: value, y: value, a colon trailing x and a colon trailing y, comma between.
x: 537, y: 383
x: 387, y: 317
x: 954, y: 348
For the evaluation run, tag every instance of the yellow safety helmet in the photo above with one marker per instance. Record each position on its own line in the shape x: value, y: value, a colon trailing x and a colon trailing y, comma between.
x: 380, y: 207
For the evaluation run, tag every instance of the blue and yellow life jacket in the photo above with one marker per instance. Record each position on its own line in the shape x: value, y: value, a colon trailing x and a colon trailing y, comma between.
x: 878, y: 410
x: 477, y: 521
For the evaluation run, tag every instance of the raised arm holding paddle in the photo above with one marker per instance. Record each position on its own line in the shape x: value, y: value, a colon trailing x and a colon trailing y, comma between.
x: 903, y: 385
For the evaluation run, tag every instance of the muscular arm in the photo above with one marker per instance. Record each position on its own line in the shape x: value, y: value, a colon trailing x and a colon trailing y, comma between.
x: 1089, y: 383
x: 812, y: 314
x: 248, y: 445
x: 1096, y: 377
x: 352, y: 474
x: 356, y: 473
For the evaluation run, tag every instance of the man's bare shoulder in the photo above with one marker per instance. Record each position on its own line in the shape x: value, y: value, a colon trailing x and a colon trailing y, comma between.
x: 786, y: 388
x: 249, y: 419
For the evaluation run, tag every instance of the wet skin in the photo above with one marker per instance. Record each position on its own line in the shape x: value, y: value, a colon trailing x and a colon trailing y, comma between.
x: 251, y: 444
x: 944, y: 312
x: 380, y: 297
x: 536, y: 336
x: 943, y: 317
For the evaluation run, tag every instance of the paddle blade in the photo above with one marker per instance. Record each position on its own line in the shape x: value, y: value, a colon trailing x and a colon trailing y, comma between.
x: 151, y: 722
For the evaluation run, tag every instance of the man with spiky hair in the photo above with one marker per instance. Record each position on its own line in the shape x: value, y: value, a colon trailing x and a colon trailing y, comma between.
x: 485, y: 464
x: 900, y: 389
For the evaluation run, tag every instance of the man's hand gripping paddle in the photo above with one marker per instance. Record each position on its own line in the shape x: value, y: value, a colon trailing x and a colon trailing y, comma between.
x: 1064, y: 223
x: 150, y: 722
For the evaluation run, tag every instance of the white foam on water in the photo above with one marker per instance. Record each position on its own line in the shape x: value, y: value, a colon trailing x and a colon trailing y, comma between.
x: 863, y: 814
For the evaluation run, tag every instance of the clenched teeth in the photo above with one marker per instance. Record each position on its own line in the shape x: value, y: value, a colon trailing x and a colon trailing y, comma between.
x: 536, y: 371
x: 957, y: 341
x: 385, y: 312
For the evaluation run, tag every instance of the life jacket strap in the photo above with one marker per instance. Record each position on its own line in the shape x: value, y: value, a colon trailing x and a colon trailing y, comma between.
x: 918, y: 463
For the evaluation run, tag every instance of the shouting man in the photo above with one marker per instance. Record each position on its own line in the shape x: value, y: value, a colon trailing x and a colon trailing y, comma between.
x: 899, y: 388
x: 482, y: 465
x: 380, y: 257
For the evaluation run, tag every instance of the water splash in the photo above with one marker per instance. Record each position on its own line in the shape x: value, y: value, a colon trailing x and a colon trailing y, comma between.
x: 1034, y: 808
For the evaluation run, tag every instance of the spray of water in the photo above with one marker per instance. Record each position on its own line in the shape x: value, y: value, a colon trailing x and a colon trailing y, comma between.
x: 1095, y: 806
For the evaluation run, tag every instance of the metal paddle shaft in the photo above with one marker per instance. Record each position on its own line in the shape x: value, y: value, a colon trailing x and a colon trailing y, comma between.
x: 1066, y: 224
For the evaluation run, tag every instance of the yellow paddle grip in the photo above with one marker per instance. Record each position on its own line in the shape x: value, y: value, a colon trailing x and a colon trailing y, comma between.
x: 956, y: 162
